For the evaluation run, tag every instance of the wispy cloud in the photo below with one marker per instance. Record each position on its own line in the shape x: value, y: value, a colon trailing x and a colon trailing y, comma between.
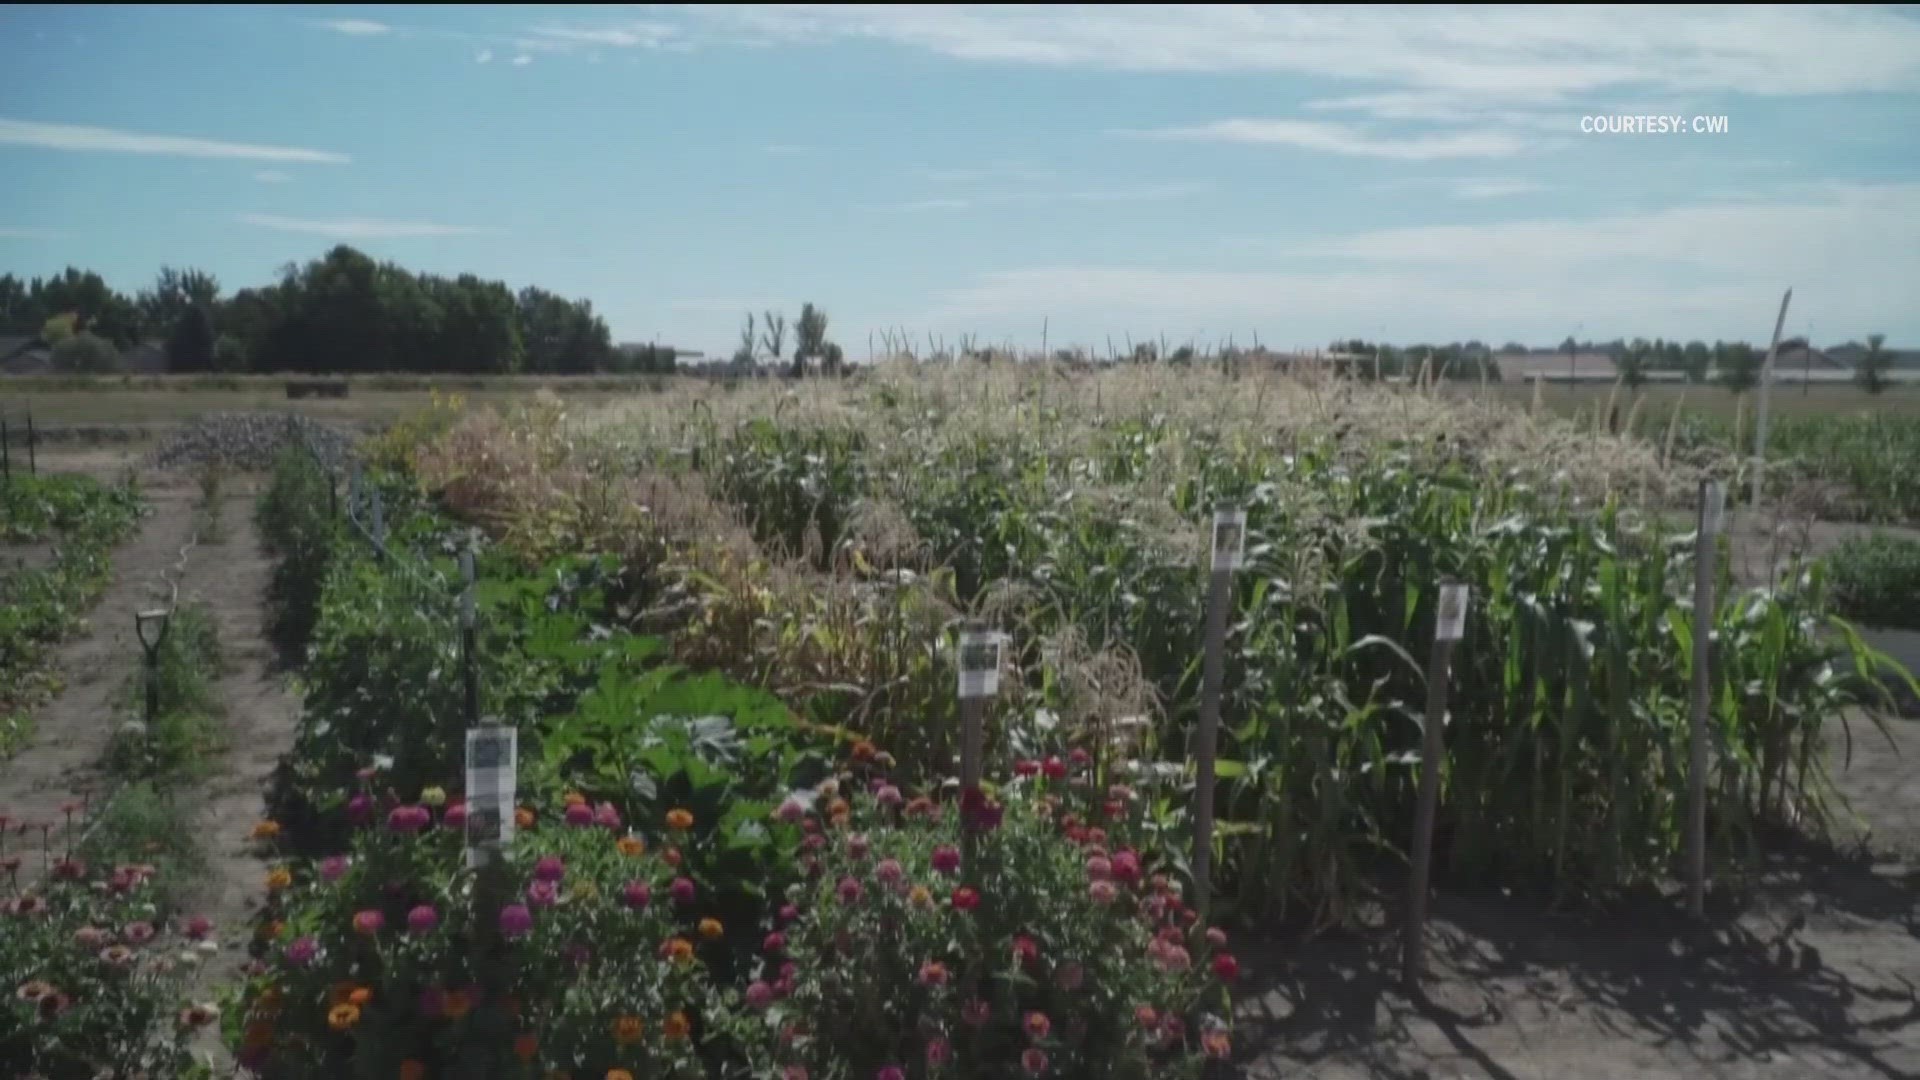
x: 724, y: 306
x: 7, y: 233
x: 108, y: 140
x: 1493, y: 187
x: 923, y: 205
x: 354, y: 228
x: 1342, y: 139
x: 484, y: 56
x: 522, y: 60
x: 272, y: 176
x: 357, y: 27
x: 647, y: 35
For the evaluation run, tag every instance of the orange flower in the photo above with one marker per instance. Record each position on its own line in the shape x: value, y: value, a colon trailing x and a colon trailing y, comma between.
x: 525, y: 1047
x: 278, y: 878
x: 680, y: 950
x: 627, y: 1030
x: 677, y: 1027
x: 338, y: 993
x: 863, y: 751
x: 359, y: 997
x: 838, y: 808
x: 711, y: 929
x: 523, y: 818
x: 266, y: 830
x: 342, y: 1017
x: 631, y: 846
x: 619, y: 1074
x: 919, y: 897
x: 413, y: 1070
x: 271, y: 930
x: 574, y: 798
x: 258, y: 1035
x: 680, y: 820
x: 456, y: 1004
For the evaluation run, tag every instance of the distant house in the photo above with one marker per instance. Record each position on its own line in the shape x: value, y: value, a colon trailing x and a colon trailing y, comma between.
x: 24, y: 354
x: 146, y: 358
x: 1585, y: 366
x: 1849, y: 355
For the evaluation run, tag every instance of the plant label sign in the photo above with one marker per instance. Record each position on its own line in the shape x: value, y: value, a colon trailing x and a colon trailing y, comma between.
x: 1713, y: 507
x: 1452, y: 623
x: 1229, y: 538
x: 979, y: 664
x: 493, y: 759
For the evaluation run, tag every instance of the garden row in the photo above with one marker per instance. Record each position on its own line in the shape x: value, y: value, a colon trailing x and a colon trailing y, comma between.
x: 41, y: 602
x: 704, y: 879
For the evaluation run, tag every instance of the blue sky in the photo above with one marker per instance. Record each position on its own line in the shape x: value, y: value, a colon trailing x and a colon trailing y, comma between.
x: 1410, y: 174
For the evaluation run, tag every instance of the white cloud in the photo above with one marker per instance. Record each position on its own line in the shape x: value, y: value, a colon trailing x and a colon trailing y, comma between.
x: 627, y: 36
x: 920, y: 205
x: 79, y: 137
x: 485, y: 56
x: 357, y: 27
x: 1494, y: 188
x: 354, y: 228
x: 522, y: 60
x: 723, y: 306
x: 27, y: 234
x: 272, y: 176
x: 1343, y: 139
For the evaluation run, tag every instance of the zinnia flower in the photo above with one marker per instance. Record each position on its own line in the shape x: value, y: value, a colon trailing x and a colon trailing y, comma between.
x: 1217, y: 1044
x: 939, y: 1052
x: 606, y: 816
x: 434, y: 796
x: 515, y: 921
x: 1034, y: 1060
x: 1103, y: 892
x: 759, y: 995
x: 627, y: 1030
x: 1226, y: 968
x: 278, y: 878
x: 1026, y: 767
x: 1216, y: 937
x: 139, y: 933
x: 422, y: 919
x: 579, y: 815
x: 455, y: 816
x: 1145, y: 1016
x: 848, y: 890
x: 679, y: 950
x: 1025, y: 950
x: 676, y: 1027
x: 266, y: 830
x: 198, y: 927
x: 933, y: 973
x: 889, y: 871
x: 549, y: 868
x: 369, y: 921
x: 1099, y: 869
x: 775, y: 943
x: 523, y: 817
x: 1126, y: 866
x: 92, y: 937
x: 542, y: 894
x: 966, y: 898
x: 1054, y: 768
x: 919, y: 897
x: 343, y: 1017
x: 857, y: 847
x: 333, y: 868
x: 683, y: 891
x: 1080, y: 758
x: 301, y: 952
x: 117, y: 955
x: 408, y: 819
x: 680, y: 820
x: 946, y: 859
x: 1038, y: 1026
x: 890, y: 1072
x: 636, y: 894
x: 631, y: 846
x: 711, y: 929
x: 889, y: 796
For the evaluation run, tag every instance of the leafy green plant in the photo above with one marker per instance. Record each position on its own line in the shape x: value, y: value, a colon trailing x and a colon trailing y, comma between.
x: 295, y: 516
x: 1875, y: 579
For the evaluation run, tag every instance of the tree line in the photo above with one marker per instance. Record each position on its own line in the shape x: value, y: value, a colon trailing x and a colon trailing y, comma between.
x: 342, y: 312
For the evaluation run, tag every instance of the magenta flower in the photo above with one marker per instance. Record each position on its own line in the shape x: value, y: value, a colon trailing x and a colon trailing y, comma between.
x: 946, y: 858
x: 199, y: 926
x: 933, y: 973
x: 1080, y: 758
x: 360, y: 809
x: 409, y: 819
x: 788, y: 913
x: 790, y: 811
x: 1034, y: 1060
x: 1054, y: 768
x: 515, y: 921
x: 939, y: 1052
x: 422, y: 919
x: 1099, y: 869
x: 794, y: 1072
x: 542, y: 894
x: 606, y: 816
x: 683, y: 891
x: 857, y: 846
x: 1038, y: 1026
x: 1126, y: 867
x: 889, y: 871
x: 549, y: 868
x: 1103, y: 892
x: 301, y: 951
x: 759, y: 995
x: 333, y: 868
x: 579, y: 815
x: 369, y: 921
x: 455, y: 816
x: 849, y: 891
x: 636, y: 895
x: 889, y: 796
x: 890, y: 1072
x: 775, y: 944
x: 139, y: 933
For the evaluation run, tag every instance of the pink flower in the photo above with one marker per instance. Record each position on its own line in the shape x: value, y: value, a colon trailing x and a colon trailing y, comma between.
x: 791, y: 811
x: 889, y: 871
x: 788, y: 913
x: 92, y: 937
x: 636, y: 895
x: 1172, y: 958
x: 794, y: 1072
x: 683, y: 890
x: 890, y: 796
x: 549, y: 868
x: 409, y: 819
x: 1145, y: 1016
x: 455, y: 816
x: 1103, y: 892
x: 849, y: 891
x: 139, y: 933
x: 333, y: 868
x: 1037, y: 1026
x: 360, y: 808
x: 1226, y: 968
x: 1216, y: 937
x: 1080, y: 758
x: 369, y: 921
x: 890, y: 1072
x: 515, y: 921
x: 1054, y: 768
x: 606, y: 816
x: 1099, y: 869
x: 946, y: 859
x: 199, y: 927
x: 1070, y: 976
x: 1034, y: 1060
x: 1120, y: 793
x: 302, y: 951
x: 976, y: 1012
x: 814, y: 842
x: 542, y: 894
x: 939, y: 1052
x: 857, y: 847
x: 759, y: 995
x: 1126, y: 867
x: 1173, y: 1030
x: 579, y: 815
x: 422, y: 919
x: 775, y: 944
x: 933, y: 973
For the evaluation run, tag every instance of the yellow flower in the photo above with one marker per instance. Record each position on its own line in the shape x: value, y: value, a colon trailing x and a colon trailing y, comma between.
x: 631, y: 846
x: 711, y: 929
x: 680, y: 950
x: 266, y: 830
x: 680, y: 820
x: 278, y: 878
x: 584, y: 890
x: 342, y: 1017
x: 434, y: 796
x: 919, y: 897
x: 677, y: 1027
x: 627, y: 1030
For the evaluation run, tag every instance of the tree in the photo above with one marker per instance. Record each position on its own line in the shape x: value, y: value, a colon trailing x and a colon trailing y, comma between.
x: 809, y: 338
x: 1871, y: 371
x: 85, y: 353
x: 833, y: 361
x: 743, y: 356
x: 1697, y: 361
x: 1739, y: 367
x: 190, y: 346
x: 173, y: 292
x: 773, y: 333
x: 1633, y: 364
x: 229, y: 354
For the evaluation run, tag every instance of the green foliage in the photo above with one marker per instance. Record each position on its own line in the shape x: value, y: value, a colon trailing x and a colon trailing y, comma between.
x: 1870, y: 460
x: 1739, y: 366
x: 190, y: 347
x: 1876, y: 579
x: 295, y: 517
x: 798, y: 487
x: 86, y: 353
x: 1871, y: 372
x: 184, y: 736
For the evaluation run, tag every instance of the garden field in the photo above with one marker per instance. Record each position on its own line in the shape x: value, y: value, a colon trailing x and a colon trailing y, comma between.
x: 721, y: 622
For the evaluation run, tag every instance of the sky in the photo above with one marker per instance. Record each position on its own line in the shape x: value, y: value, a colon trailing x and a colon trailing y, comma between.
x: 1078, y: 174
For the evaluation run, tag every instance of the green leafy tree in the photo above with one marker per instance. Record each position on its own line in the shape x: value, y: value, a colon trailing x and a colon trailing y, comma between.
x: 173, y: 293
x: 190, y: 346
x: 1739, y: 367
x: 809, y: 338
x: 1871, y: 371
x: 86, y: 353
x: 1634, y: 363
x: 1697, y: 361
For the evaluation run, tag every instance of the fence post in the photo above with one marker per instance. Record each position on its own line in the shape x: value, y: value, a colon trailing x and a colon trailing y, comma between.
x: 979, y: 680
x: 1449, y: 627
x: 1228, y: 551
x: 33, y: 453
x: 1706, y: 551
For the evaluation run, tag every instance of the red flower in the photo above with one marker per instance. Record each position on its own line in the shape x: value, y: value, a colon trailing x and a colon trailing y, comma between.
x: 1126, y: 866
x: 1054, y: 768
x: 775, y: 944
x: 1038, y: 1026
x: 966, y: 898
x: 1080, y: 758
x: 1026, y: 767
x: 1025, y: 949
x: 1226, y: 968
x: 946, y: 858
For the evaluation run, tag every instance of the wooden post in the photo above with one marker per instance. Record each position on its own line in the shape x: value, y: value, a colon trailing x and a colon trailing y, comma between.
x: 33, y: 440
x: 1706, y: 550
x: 1228, y: 550
x: 1766, y: 383
x: 1449, y: 627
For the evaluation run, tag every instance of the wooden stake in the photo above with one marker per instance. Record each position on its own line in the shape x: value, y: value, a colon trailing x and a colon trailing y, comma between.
x: 1766, y: 383
x: 1448, y: 629
x: 1705, y: 565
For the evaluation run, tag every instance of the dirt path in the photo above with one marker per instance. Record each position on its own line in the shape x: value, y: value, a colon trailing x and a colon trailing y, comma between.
x: 71, y: 732
x: 230, y: 577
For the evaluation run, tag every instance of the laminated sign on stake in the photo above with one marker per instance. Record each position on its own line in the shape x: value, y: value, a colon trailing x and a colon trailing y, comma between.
x: 493, y: 757
x: 1452, y: 624
x: 979, y: 663
x: 1713, y: 507
x: 1229, y: 538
